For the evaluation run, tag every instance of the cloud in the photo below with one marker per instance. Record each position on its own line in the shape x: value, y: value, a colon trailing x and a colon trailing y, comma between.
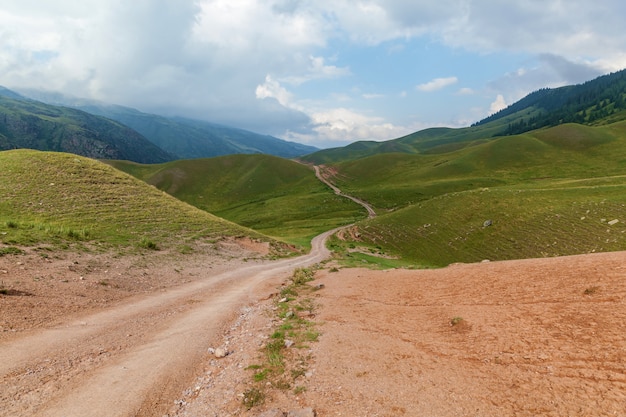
x: 231, y: 61
x: 372, y: 96
x: 498, y: 104
x: 273, y: 89
x: 317, y: 70
x: 339, y: 126
x: 437, y: 84
x: 465, y: 91
x: 327, y: 125
x: 546, y: 70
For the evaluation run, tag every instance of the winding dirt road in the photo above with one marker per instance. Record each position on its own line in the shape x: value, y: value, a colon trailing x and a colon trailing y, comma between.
x: 324, y: 178
x: 134, y: 359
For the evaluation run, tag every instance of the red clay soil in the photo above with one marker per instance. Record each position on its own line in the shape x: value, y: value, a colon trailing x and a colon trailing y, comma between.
x: 519, y: 338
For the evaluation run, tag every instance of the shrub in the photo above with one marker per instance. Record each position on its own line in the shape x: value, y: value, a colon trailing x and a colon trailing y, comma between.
x: 148, y: 244
x: 303, y: 275
x: 253, y: 397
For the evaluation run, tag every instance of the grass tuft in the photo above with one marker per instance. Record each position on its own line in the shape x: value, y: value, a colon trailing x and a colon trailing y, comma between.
x: 283, y: 364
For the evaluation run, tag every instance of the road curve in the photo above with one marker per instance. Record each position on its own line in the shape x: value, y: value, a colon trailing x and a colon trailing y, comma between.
x: 136, y: 358
x: 370, y: 210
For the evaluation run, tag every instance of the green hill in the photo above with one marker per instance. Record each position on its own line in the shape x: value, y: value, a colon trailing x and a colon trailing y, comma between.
x: 64, y: 199
x: 547, y: 192
x: 31, y: 124
x: 272, y: 195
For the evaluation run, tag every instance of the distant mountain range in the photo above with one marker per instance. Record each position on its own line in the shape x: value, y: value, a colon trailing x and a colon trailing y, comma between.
x: 168, y: 138
x: 115, y: 132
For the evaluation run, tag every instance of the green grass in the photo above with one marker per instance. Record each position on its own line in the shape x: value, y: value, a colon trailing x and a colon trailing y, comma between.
x: 64, y: 199
x: 275, y: 196
x: 527, y: 223
x: 282, y: 360
x: 547, y: 193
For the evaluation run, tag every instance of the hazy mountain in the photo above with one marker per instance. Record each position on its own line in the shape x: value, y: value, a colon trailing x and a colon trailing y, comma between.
x: 182, y: 137
x: 26, y: 123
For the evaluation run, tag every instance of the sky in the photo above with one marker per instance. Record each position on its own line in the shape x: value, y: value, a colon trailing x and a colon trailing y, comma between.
x: 320, y: 72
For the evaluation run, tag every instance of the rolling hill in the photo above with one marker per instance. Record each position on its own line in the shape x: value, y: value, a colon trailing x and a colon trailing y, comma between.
x: 182, y: 137
x: 272, y: 195
x: 543, y: 193
x: 51, y: 198
x: 31, y: 124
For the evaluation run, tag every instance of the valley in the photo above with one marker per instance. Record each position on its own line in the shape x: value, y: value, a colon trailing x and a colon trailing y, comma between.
x: 478, y: 271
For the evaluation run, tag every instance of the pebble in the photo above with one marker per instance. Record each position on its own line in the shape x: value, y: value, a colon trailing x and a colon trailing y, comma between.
x: 220, y: 353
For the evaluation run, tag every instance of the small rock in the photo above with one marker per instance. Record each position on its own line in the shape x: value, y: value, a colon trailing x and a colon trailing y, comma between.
x: 612, y: 222
x: 305, y: 412
x: 220, y: 353
x: 319, y: 286
x: 282, y: 300
x: 289, y: 343
x: 274, y: 412
x: 487, y: 223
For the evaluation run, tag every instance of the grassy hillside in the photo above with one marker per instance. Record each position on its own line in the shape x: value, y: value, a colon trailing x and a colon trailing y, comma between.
x: 58, y: 198
x: 275, y: 196
x: 547, y: 192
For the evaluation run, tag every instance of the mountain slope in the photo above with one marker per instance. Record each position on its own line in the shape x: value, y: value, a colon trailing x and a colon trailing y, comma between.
x: 549, y: 192
x: 588, y: 103
x: 275, y: 196
x: 52, y: 197
x: 185, y: 138
x: 31, y: 124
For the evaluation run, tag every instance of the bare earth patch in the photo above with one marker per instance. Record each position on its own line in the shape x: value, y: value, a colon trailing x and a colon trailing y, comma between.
x: 532, y: 337
x: 523, y: 338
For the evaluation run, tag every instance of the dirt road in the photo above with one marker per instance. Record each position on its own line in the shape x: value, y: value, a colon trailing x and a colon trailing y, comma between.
x: 134, y: 359
x: 324, y: 178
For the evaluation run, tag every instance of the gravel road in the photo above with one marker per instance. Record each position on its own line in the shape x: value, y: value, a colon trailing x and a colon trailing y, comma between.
x: 133, y: 359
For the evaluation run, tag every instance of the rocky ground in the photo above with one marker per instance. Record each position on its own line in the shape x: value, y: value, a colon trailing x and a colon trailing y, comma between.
x: 518, y: 338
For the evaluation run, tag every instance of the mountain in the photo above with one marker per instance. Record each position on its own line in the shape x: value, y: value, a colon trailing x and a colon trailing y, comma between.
x: 26, y: 123
x: 596, y: 102
x: 185, y: 138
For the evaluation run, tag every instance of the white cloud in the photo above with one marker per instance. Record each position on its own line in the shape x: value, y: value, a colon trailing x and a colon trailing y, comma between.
x: 317, y: 70
x: 498, y: 104
x: 340, y: 126
x: 465, y: 91
x: 273, y: 89
x: 437, y: 84
x: 372, y: 96
x: 211, y: 58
